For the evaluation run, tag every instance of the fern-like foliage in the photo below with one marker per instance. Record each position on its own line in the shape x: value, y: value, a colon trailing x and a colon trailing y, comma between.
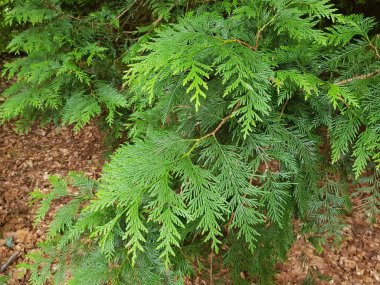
x: 233, y: 107
x: 6, y: 31
x: 369, y: 191
x: 3, y: 279
x: 61, y: 74
x: 75, y: 232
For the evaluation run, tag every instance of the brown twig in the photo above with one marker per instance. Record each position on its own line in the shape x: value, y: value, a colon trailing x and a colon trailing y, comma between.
x: 358, y: 77
x: 258, y: 35
x: 375, y: 50
x: 241, y: 43
x: 213, y: 133
x: 224, y: 120
x: 159, y: 20
x: 259, y: 31
x: 283, y: 107
x: 126, y: 10
x: 211, y: 261
x: 12, y: 258
x: 344, y: 101
x: 72, y: 17
x: 230, y: 222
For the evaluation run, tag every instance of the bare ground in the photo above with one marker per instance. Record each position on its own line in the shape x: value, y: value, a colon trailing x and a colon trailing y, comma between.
x: 26, y: 161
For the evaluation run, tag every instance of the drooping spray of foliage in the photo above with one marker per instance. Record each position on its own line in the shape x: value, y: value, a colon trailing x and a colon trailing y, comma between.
x: 4, y: 35
x: 226, y: 110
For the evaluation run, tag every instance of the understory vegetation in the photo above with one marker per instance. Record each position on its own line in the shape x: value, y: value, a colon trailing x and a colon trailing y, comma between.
x: 241, y: 116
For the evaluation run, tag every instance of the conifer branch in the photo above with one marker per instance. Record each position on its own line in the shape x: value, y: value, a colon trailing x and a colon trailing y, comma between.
x: 72, y: 17
x: 258, y: 36
x: 358, y: 77
x: 126, y: 10
x: 241, y: 43
x: 224, y: 120
x: 344, y: 102
x: 233, y: 189
x: 160, y: 18
x: 260, y: 30
x: 375, y: 50
x: 230, y: 221
x: 373, y: 47
x: 213, y: 133
x: 257, y: 39
x: 284, y: 106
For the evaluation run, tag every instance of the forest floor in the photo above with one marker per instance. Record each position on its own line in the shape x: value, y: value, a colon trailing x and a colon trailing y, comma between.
x: 26, y: 161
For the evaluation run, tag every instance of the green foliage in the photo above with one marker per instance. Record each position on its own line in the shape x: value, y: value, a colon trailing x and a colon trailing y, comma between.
x: 62, y: 77
x: 5, y: 30
x: 232, y: 108
x: 3, y: 279
x: 369, y: 190
x: 88, y: 236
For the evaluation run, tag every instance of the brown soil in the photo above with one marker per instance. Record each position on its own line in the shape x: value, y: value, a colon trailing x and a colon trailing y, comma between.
x: 26, y: 161
x: 355, y: 261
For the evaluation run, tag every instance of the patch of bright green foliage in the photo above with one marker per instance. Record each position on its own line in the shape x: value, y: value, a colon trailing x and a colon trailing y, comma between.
x: 5, y: 31
x: 3, y: 279
x: 225, y: 103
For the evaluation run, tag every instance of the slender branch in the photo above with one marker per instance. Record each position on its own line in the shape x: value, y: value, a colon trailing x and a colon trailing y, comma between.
x: 375, y: 50
x: 358, y: 77
x: 213, y: 133
x: 241, y: 43
x: 211, y: 264
x: 230, y: 222
x: 126, y: 10
x: 159, y: 20
x: 344, y: 101
x: 224, y: 120
x: 72, y: 17
x: 283, y: 107
x: 372, y: 46
x: 257, y: 39
x: 343, y: 82
x: 259, y: 31
x: 12, y: 258
x: 258, y: 35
